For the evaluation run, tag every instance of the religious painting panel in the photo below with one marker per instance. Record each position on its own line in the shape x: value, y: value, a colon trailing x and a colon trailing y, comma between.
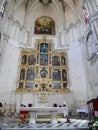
x: 56, y: 75
x: 42, y: 97
x: 44, y: 59
x: 22, y: 74
x: 43, y: 73
x: 56, y: 61
x: 43, y: 48
x: 64, y: 75
x: 45, y: 25
x: 43, y: 87
x: 56, y: 85
x: 30, y: 74
x: 63, y: 60
x: 30, y: 85
x: 31, y: 60
x: 64, y: 85
x: 20, y: 85
x: 24, y: 59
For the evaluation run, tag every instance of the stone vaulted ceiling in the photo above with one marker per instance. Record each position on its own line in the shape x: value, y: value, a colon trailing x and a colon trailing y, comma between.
x: 59, y: 5
x: 30, y: 4
x: 62, y: 11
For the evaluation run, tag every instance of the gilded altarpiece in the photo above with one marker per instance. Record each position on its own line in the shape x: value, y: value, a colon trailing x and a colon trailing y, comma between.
x: 43, y: 70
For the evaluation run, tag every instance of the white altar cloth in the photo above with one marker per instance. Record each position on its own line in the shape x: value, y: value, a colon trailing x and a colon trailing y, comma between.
x: 53, y: 111
x: 43, y: 109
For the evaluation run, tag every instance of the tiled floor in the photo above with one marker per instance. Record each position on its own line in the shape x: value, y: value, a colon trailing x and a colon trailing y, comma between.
x: 76, y: 124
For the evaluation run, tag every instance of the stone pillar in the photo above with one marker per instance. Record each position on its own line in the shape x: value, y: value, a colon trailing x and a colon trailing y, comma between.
x: 24, y: 37
x: 5, y: 38
x: 94, y: 25
x: 30, y: 34
x: 96, y: 3
x: 3, y: 48
x: 93, y: 20
x: 58, y: 36
x: 8, y: 25
x: 88, y: 7
x: 17, y: 31
x: 5, y: 12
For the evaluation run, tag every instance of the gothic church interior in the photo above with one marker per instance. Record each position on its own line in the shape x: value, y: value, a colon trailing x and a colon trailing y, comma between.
x: 48, y: 53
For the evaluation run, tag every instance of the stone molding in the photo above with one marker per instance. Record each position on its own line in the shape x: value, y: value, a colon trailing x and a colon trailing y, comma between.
x: 93, y: 17
x: 5, y: 36
x: 17, y: 26
x: 72, y: 25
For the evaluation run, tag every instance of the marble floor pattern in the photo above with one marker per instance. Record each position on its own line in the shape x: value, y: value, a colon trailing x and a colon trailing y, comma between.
x: 76, y: 124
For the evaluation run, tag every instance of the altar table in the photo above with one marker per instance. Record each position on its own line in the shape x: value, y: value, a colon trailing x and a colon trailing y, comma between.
x: 53, y: 111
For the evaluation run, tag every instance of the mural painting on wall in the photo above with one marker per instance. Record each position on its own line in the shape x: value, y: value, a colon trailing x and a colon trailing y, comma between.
x: 44, y: 25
